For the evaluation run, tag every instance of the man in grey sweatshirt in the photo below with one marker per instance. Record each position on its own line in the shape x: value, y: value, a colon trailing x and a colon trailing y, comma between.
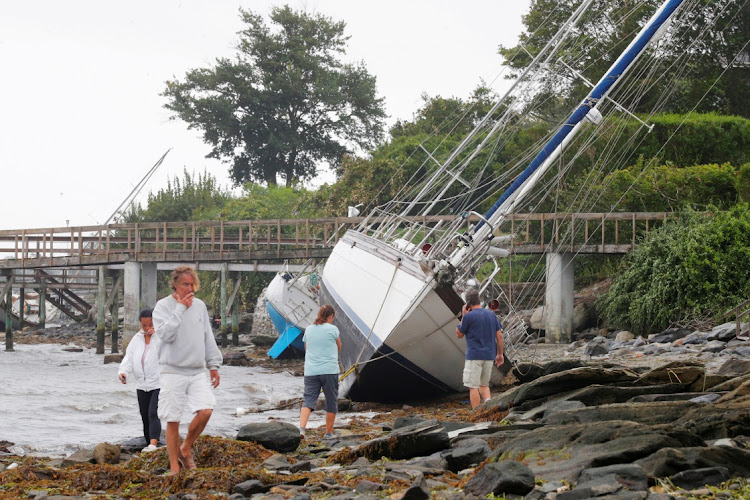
x: 188, y: 347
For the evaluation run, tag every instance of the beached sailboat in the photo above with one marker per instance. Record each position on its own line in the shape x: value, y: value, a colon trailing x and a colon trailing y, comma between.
x: 292, y: 303
x: 397, y: 287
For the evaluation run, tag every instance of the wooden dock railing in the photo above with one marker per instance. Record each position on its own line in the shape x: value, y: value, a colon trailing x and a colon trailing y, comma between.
x: 275, y: 239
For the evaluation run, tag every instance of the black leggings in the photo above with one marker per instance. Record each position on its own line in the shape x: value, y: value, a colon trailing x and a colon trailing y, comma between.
x: 148, y: 402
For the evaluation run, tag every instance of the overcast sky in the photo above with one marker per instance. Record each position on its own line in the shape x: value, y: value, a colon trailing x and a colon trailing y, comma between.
x: 81, y: 119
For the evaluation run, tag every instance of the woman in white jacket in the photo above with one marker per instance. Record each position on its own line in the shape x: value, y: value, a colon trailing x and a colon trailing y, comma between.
x: 142, y: 361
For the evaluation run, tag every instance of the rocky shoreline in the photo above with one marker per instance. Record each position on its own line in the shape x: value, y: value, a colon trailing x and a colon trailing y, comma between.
x: 612, y: 418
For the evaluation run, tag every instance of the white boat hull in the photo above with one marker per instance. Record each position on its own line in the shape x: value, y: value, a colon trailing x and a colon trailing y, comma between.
x: 398, y: 330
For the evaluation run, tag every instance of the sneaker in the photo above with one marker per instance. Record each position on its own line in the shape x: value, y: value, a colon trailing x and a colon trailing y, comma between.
x: 149, y: 449
x: 303, y: 432
x: 329, y: 435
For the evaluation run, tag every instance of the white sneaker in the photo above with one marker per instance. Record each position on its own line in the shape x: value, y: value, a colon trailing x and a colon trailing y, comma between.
x: 303, y: 432
x: 149, y: 449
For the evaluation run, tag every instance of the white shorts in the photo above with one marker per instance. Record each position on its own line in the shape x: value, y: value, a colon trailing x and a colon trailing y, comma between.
x: 477, y: 373
x: 179, y: 390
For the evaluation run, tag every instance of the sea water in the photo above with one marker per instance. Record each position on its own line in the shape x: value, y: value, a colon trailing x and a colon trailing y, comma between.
x: 53, y: 402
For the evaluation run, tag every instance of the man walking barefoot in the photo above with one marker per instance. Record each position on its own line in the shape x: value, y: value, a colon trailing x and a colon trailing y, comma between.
x: 182, y: 324
x: 484, y: 344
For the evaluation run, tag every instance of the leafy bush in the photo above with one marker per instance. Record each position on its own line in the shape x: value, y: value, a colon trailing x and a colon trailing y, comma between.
x: 692, y: 268
x: 667, y: 188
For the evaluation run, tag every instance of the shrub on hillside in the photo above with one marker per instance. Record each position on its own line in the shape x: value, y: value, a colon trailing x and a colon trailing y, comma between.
x: 693, y: 268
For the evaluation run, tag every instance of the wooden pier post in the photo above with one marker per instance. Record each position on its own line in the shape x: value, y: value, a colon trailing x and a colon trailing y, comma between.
x: 235, y: 309
x: 101, y: 299
x: 21, y: 307
x: 113, y: 312
x: 42, y: 302
x: 9, y: 319
x: 223, y: 306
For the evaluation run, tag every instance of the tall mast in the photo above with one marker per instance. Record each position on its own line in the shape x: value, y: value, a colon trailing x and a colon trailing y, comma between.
x: 550, y: 152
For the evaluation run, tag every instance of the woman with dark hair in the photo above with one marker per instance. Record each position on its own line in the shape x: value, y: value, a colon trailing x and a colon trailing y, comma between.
x: 322, y: 347
x: 142, y: 361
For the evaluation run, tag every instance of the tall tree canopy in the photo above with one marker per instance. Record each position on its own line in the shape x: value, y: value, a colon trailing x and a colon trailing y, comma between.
x: 285, y: 104
x: 609, y: 26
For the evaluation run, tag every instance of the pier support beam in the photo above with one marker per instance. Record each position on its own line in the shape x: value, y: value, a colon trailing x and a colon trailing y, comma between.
x: 131, y: 302
x: 42, y: 302
x: 101, y: 299
x: 148, y: 285
x: 223, y: 306
x: 114, y: 314
x: 21, y: 307
x: 235, y: 306
x: 558, y: 298
x: 9, y: 317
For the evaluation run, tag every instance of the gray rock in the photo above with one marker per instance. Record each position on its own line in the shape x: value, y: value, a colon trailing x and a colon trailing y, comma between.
x: 251, y: 487
x: 646, y: 413
x: 277, y: 436
x: 501, y: 477
x: 714, y: 346
x: 597, y: 347
x: 697, y: 478
x: 573, y: 448
x: 556, y: 383
x: 468, y: 454
x: 734, y: 367
x: 624, y: 336
x: 365, y: 486
x: 105, y: 453
x: 696, y: 338
x: 639, y: 342
x: 236, y: 358
x: 418, y: 490
x: 668, y: 336
x: 672, y: 460
x: 276, y: 462
x: 412, y: 441
x: 596, y: 487
x: 630, y: 476
x: 725, y: 332
x: 706, y: 398
x: 113, y: 358
x: 79, y: 457
x: 743, y: 351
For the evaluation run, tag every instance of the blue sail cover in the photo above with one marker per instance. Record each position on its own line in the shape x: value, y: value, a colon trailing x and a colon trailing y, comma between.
x: 289, y: 333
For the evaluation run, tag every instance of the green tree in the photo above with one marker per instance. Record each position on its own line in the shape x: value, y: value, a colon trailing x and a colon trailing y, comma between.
x: 609, y: 26
x: 285, y: 104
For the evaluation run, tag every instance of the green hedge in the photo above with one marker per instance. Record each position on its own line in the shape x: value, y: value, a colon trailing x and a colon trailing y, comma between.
x: 694, y: 268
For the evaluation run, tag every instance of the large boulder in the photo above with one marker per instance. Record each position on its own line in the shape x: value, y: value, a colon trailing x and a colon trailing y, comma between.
x: 466, y: 453
x: 416, y: 440
x: 676, y: 372
x: 670, y: 461
x: 662, y: 412
x: 563, y: 452
x: 278, y: 436
x: 501, y: 477
x: 557, y: 383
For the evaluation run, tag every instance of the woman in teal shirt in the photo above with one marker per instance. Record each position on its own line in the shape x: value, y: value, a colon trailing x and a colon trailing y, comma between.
x: 322, y: 347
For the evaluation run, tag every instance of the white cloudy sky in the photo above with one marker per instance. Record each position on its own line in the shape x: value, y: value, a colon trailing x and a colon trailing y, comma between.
x: 81, y: 119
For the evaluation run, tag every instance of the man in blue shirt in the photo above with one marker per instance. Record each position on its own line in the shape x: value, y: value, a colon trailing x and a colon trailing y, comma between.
x: 484, y: 344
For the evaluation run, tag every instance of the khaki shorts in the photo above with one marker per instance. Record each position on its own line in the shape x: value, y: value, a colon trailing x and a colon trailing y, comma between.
x: 178, y: 391
x: 477, y: 373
